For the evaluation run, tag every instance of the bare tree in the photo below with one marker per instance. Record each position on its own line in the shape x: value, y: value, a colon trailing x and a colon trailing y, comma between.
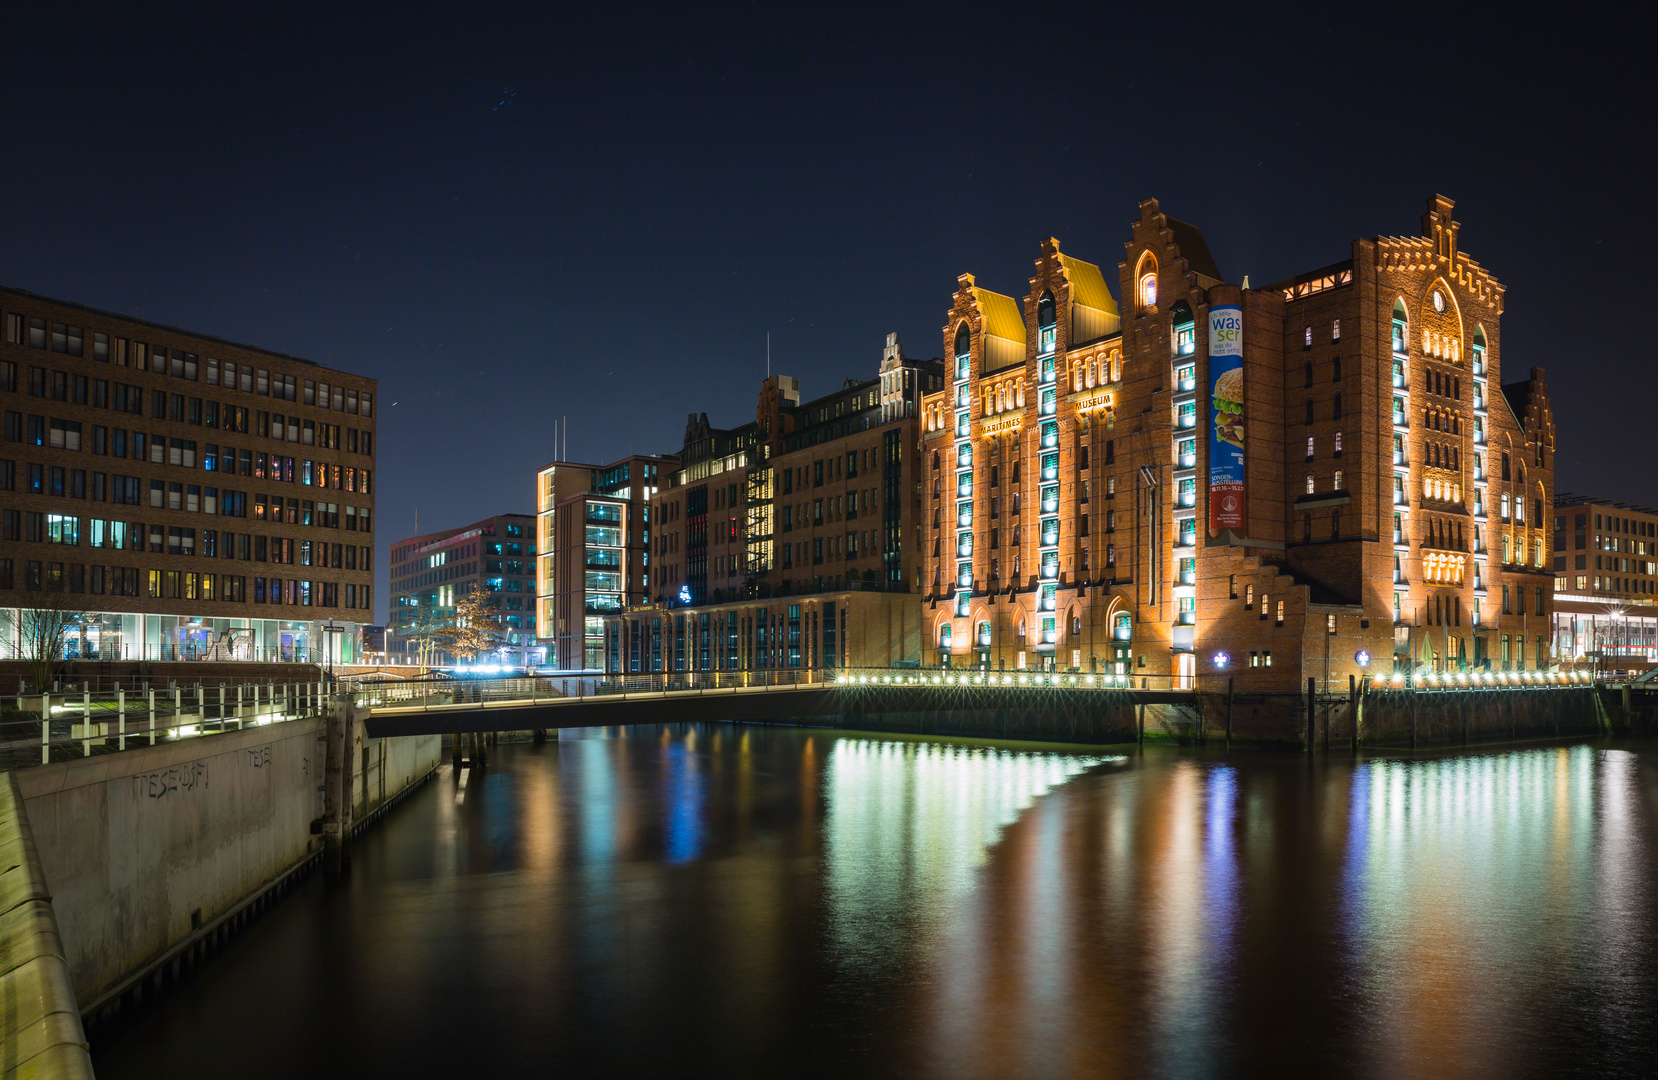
x: 475, y: 629
x: 429, y: 631
x: 41, y: 632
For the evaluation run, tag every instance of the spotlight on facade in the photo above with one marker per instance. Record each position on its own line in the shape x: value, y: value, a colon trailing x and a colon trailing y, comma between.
x: 1221, y: 660
x: 1362, y: 658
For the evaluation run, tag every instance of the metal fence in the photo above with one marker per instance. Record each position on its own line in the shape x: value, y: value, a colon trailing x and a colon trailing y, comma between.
x: 40, y: 728
x: 372, y: 690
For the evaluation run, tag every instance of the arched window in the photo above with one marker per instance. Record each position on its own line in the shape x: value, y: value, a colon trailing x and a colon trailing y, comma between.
x: 1021, y: 626
x: 1479, y: 350
x: 1335, y: 413
x: 1309, y: 483
x: 1122, y: 626
x: 1046, y: 324
x: 1147, y: 284
x: 984, y: 633
x: 1307, y: 338
x: 1401, y: 329
x: 964, y: 350
x: 1076, y: 624
x: 944, y: 636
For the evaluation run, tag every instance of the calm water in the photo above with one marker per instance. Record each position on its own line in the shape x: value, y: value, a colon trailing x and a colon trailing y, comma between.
x: 760, y: 902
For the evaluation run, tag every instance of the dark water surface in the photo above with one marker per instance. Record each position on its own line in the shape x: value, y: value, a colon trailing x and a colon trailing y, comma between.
x: 775, y: 902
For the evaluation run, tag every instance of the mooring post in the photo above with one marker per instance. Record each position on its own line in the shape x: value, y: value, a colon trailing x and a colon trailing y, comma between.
x: 1415, y: 699
x: 121, y: 719
x: 46, y: 729
x: 336, y: 799
x: 1353, y: 708
x: 152, y: 715
x: 1140, y: 724
x: 1229, y: 712
x: 1311, y: 684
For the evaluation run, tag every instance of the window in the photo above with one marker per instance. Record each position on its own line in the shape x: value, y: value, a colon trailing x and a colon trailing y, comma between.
x: 1335, y: 413
x: 1148, y: 289
x: 1309, y: 483
x: 1309, y: 447
x: 1338, y: 444
x: 1337, y: 485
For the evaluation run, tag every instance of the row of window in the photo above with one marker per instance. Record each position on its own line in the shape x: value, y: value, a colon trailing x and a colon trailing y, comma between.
x: 122, y: 352
x: 199, y: 412
x: 61, y: 482
x: 72, y: 531
x: 160, y: 450
x: 37, y: 575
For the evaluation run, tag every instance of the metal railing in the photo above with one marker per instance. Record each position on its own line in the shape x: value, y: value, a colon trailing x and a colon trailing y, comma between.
x: 36, y: 729
x: 428, y: 694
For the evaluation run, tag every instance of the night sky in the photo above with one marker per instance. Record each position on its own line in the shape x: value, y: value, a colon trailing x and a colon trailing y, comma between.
x: 508, y: 216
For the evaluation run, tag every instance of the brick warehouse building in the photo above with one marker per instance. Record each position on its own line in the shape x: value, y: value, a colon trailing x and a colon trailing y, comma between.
x: 1265, y: 482
x: 183, y: 496
x: 790, y: 542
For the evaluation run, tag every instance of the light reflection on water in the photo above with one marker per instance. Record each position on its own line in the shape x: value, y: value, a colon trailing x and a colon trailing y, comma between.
x: 761, y: 901
x: 907, y: 826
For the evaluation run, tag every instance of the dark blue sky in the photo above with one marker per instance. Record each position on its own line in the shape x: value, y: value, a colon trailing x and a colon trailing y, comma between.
x: 507, y: 216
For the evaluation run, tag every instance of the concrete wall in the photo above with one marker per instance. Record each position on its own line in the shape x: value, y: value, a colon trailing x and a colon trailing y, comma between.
x: 145, y: 848
x: 40, y: 1025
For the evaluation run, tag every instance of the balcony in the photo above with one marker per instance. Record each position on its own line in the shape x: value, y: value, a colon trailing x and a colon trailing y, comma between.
x: 1188, y: 577
x: 1399, y: 419
x: 1050, y: 534
x: 1186, y: 461
x: 1050, y: 503
x: 1046, y: 338
x: 1185, y: 383
x: 1186, y: 498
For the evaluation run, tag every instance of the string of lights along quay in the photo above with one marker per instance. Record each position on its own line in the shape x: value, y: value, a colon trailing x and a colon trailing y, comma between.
x: 1321, y: 478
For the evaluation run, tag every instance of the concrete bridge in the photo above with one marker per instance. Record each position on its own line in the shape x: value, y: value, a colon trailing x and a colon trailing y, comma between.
x: 1060, y: 706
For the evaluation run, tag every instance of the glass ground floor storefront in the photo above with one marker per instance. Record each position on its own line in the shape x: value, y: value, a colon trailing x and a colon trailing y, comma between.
x: 116, y: 637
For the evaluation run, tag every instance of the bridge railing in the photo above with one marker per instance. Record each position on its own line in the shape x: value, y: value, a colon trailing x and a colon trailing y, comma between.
x: 370, y: 691
x: 39, y: 728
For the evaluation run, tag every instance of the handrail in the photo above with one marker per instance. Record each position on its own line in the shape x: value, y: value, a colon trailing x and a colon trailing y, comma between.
x: 59, y: 725
x: 453, y: 694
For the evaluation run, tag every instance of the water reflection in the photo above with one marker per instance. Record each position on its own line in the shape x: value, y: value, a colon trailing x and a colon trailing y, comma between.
x: 759, y: 901
x: 906, y: 827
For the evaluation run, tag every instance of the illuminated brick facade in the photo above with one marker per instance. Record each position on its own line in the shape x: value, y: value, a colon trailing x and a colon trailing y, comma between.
x: 1394, y: 487
x: 789, y: 543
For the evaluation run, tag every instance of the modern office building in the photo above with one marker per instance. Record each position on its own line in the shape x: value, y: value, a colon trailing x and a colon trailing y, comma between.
x: 431, y: 571
x: 594, y: 528
x: 1605, y: 582
x: 1278, y: 483
x: 182, y: 496
x: 789, y: 542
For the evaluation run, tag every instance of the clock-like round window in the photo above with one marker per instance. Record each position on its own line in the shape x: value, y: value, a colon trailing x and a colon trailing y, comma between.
x: 1438, y: 300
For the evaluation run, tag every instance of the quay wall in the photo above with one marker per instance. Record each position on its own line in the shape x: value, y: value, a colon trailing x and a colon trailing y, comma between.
x: 150, y: 851
x: 40, y: 1025
x: 1386, y: 718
